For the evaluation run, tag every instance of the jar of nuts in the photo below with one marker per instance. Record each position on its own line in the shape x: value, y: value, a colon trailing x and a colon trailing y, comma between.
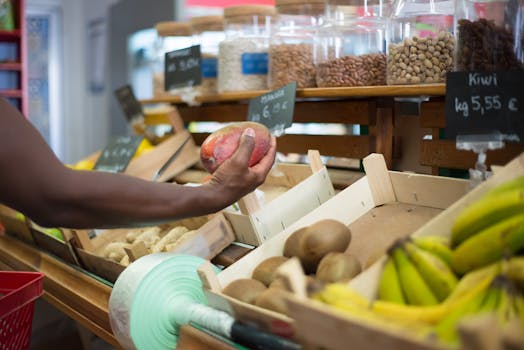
x: 351, y: 45
x: 490, y: 35
x: 208, y: 32
x: 243, y: 54
x: 171, y: 36
x: 292, y: 43
x: 421, y: 43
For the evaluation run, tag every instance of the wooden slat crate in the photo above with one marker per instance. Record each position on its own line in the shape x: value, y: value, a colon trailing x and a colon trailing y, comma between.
x: 379, y: 208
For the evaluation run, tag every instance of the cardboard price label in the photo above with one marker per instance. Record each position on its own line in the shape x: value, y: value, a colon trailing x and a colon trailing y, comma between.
x: 183, y: 68
x: 485, y: 102
x: 118, y: 153
x: 128, y: 102
x: 274, y: 109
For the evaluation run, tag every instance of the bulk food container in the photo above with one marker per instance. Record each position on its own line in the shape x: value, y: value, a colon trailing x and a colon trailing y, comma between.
x: 292, y: 43
x: 243, y: 54
x: 352, y: 49
x: 421, y: 42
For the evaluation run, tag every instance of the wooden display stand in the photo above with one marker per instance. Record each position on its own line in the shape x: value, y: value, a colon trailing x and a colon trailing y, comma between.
x: 379, y: 208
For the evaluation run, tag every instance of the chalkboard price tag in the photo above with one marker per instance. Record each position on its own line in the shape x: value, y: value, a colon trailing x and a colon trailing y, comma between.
x: 118, y: 153
x: 128, y: 102
x: 182, y: 68
x: 485, y: 102
x: 274, y: 109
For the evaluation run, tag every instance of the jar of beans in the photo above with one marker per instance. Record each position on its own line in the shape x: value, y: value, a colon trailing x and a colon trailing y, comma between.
x: 421, y: 43
x: 351, y: 44
x: 490, y: 35
x: 208, y: 32
x: 243, y: 54
x: 171, y: 36
x: 292, y: 43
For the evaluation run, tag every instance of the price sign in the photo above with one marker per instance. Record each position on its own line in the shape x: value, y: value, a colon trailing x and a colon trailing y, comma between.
x: 484, y: 102
x: 118, y: 153
x: 182, y: 68
x: 128, y: 102
x: 274, y: 109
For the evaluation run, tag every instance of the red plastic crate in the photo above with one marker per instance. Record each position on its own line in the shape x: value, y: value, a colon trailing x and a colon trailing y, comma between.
x: 18, y: 292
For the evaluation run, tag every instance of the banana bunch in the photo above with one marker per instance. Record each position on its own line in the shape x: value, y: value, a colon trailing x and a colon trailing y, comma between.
x: 489, y: 229
x: 417, y: 272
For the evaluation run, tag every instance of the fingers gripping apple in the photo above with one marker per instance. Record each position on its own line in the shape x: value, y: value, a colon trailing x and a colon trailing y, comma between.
x: 221, y: 144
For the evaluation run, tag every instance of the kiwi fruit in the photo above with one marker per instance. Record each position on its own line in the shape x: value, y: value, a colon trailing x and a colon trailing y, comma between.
x: 292, y: 243
x: 338, y: 267
x: 272, y: 299
x: 266, y: 271
x: 244, y: 289
x: 321, y: 238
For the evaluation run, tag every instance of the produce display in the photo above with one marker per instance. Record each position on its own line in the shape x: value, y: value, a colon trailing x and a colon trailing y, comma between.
x: 429, y: 284
x: 320, y: 249
x: 221, y: 144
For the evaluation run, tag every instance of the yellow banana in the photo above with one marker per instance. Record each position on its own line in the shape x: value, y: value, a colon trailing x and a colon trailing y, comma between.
x: 415, y: 289
x: 473, y: 282
x: 389, y: 288
x: 438, y: 245
x: 490, y: 245
x: 515, y: 271
x: 410, y: 313
x: 486, y: 212
x: 333, y: 293
x: 516, y: 183
x: 435, y: 272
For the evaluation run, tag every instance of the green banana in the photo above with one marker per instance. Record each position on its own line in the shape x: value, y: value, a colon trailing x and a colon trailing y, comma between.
x: 486, y: 212
x: 490, y: 245
x: 515, y: 271
x: 438, y: 245
x: 474, y: 281
x: 516, y: 183
x: 491, y: 300
x: 415, y: 289
x: 435, y: 272
x: 446, y: 329
x: 389, y: 288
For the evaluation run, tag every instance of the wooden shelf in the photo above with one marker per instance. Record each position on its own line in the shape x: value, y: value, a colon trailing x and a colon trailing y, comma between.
x: 343, y: 92
x: 11, y: 66
x: 11, y: 93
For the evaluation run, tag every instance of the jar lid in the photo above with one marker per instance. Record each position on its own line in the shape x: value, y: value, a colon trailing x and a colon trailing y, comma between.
x: 249, y: 10
x: 205, y: 23
x: 292, y: 7
x: 173, y: 28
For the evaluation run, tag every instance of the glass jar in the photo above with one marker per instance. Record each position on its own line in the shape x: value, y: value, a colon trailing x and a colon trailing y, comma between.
x: 243, y: 54
x: 351, y: 45
x: 490, y: 35
x: 292, y: 43
x: 171, y: 36
x: 208, y: 32
x: 421, y: 42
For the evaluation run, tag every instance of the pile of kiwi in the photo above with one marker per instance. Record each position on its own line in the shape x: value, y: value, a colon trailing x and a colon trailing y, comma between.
x: 320, y: 249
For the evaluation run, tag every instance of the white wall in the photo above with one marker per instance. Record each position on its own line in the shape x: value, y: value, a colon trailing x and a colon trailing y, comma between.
x: 84, y: 116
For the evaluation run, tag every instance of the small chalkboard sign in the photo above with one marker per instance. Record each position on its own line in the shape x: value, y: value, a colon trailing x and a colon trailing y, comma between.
x: 117, y: 154
x: 485, y: 102
x: 127, y: 100
x: 182, y: 68
x: 274, y: 109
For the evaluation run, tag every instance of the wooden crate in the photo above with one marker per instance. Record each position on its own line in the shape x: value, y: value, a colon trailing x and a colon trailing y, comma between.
x: 15, y: 225
x: 62, y: 249
x: 213, y: 235
x: 379, y: 208
x: 291, y: 191
x: 335, y: 331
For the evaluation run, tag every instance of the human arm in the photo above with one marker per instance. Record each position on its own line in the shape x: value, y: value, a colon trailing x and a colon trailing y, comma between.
x: 35, y: 182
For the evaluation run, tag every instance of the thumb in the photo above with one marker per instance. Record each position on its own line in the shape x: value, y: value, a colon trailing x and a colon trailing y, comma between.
x: 246, y: 146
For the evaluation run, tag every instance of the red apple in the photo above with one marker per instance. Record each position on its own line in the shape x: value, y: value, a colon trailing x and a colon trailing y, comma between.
x: 222, y: 143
